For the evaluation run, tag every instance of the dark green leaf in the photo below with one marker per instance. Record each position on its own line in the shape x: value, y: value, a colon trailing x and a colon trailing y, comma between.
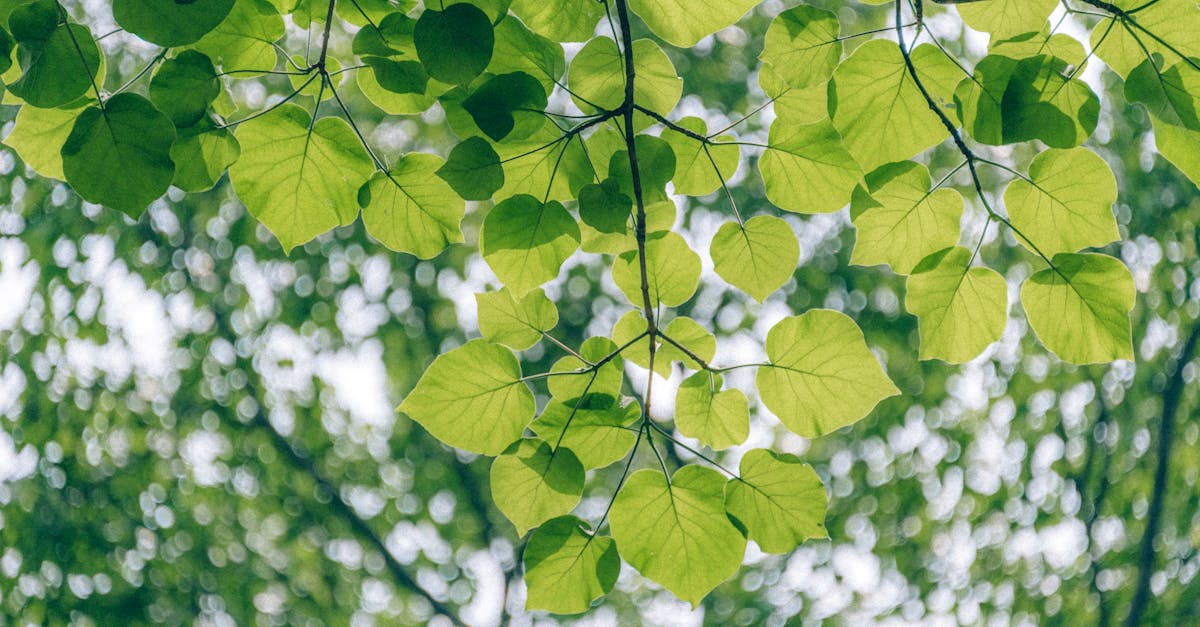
x: 171, y: 23
x: 455, y: 45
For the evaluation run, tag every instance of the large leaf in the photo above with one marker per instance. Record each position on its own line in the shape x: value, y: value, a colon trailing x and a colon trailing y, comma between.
x: 960, y: 309
x: 184, y: 87
x: 1005, y: 18
x: 506, y: 104
x: 560, y: 20
x: 821, y: 375
x: 672, y: 271
x: 244, y: 41
x: 410, y: 209
x: 201, y: 154
x: 700, y: 168
x: 120, y: 155
x: 1171, y: 94
x: 578, y: 380
x: 806, y: 168
x: 718, y: 418
x: 567, y: 566
x: 170, y: 23
x: 779, y: 499
x: 597, y: 76
x: 532, y: 483
x: 686, y: 22
x: 1080, y: 308
x: 38, y: 135
x: 676, y: 533
x: 473, y: 398
x: 900, y: 220
x: 299, y: 178
x: 473, y: 169
x: 526, y: 241
x: 879, y: 110
x: 1066, y: 204
x: 757, y: 257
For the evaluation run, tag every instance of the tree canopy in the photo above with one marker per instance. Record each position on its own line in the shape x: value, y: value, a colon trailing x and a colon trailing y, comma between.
x: 714, y: 255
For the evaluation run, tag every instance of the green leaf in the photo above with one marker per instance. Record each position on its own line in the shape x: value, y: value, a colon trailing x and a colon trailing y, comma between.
x: 879, y: 110
x: 901, y: 220
x: 1066, y: 203
x: 660, y: 216
x: 184, y: 87
x: 758, y: 257
x: 473, y: 169
x: 803, y: 43
x: 520, y: 50
x: 1174, y: 24
x: 672, y: 271
x: 718, y: 418
x: 1080, y: 308
x: 299, y: 178
x: 596, y: 428
x: 170, y: 23
x: 516, y: 323
x: 605, y: 207
x: 201, y: 154
x: 794, y: 106
x: 6, y: 47
x: 686, y: 22
x: 821, y: 376
x: 119, y: 156
x: 536, y: 165
x: 1176, y: 144
x: 584, y: 380
x: 409, y: 209
x: 473, y: 398
x: 567, y: 567
x: 676, y: 533
x: 656, y: 167
x: 526, y: 241
x: 1006, y: 18
x: 693, y: 336
x: 454, y: 45
x: 597, y: 76
x: 58, y: 60
x: 1059, y: 45
x: 779, y: 499
x: 532, y: 483
x: 960, y: 310
x: 244, y: 40
x: 38, y: 136
x: 696, y: 169
x: 806, y: 168
x: 1171, y: 94
x: 398, y: 77
x: 506, y: 104
x: 390, y: 37
x: 560, y: 20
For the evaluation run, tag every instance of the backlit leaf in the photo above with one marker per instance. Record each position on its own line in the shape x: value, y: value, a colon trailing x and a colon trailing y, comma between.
x: 779, y: 499
x: 1080, y: 308
x: 960, y: 309
x: 532, y: 483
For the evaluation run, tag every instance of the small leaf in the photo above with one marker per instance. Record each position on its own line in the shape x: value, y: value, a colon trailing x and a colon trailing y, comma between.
x: 585, y: 381
x: 676, y: 533
x: 779, y: 499
x: 184, y: 87
x: 693, y: 336
x: 672, y: 271
x: 526, y: 241
x: 411, y: 210
x: 520, y: 50
x: 1005, y: 18
x: 960, y: 310
x: 718, y: 418
x: 597, y: 77
x: 38, y: 136
x: 1066, y: 204
x: 560, y: 20
x: 605, y: 207
x: 473, y: 398
x: 901, y: 220
x: 821, y: 376
x: 1080, y: 308
x: 1171, y: 94
x: 244, y: 40
x: 299, y: 178
x: 532, y: 483
x: 656, y: 167
x: 170, y: 23
x: 201, y: 154
x: 803, y: 42
x: 567, y: 567
x: 398, y: 77
x: 509, y: 103
x: 696, y: 170
x: 119, y: 156
x: 58, y: 60
x: 758, y: 257
x: 473, y: 169
x: 596, y: 428
x: 516, y: 323
x: 455, y: 45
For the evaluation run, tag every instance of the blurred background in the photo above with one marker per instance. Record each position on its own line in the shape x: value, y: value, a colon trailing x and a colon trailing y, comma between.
x: 197, y: 428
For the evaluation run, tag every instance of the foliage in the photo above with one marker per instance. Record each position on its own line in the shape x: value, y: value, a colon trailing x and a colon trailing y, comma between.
x: 584, y: 155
